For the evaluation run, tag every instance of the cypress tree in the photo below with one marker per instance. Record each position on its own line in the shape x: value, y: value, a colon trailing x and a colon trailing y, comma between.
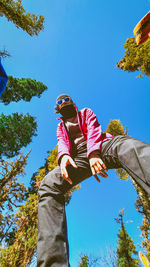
x: 126, y: 247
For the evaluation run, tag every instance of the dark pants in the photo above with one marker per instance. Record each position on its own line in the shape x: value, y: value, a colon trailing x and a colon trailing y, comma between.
x: 120, y: 152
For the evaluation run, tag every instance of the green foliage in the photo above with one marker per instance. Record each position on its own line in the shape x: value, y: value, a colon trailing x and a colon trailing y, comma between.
x: 123, y: 175
x: 84, y: 261
x: 21, y: 251
x: 143, y: 202
x: 16, y: 131
x: 89, y: 261
x: 143, y: 207
x: 145, y: 231
x: 115, y: 128
x: 14, y: 11
x: 12, y: 192
x: 21, y: 89
x: 125, y: 247
x: 137, y: 57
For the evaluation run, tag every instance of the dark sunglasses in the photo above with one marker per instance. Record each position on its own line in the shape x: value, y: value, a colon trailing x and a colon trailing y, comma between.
x: 66, y: 99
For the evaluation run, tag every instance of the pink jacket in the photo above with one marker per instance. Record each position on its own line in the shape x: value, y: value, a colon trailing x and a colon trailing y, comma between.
x: 90, y: 128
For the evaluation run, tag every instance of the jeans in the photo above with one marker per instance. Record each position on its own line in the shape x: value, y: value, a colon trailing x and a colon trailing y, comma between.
x: 121, y: 152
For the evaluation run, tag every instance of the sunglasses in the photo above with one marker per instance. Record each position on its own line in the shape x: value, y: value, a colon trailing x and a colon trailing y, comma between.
x: 66, y: 99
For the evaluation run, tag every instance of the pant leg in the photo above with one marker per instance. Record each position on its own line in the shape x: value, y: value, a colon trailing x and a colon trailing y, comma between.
x: 52, y: 247
x: 131, y: 154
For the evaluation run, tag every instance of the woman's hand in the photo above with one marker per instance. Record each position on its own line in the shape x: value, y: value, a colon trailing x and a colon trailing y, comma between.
x: 97, y: 167
x: 66, y: 160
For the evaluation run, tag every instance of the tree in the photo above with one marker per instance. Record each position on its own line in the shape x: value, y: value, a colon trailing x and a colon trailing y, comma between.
x: 84, y: 261
x: 14, y: 11
x: 125, y: 247
x: 143, y: 207
x: 145, y: 231
x: 12, y: 192
x: 22, y: 89
x: 16, y: 131
x: 115, y: 128
x: 143, y: 202
x: 109, y: 259
x: 89, y: 261
x: 20, y: 252
x: 137, y: 57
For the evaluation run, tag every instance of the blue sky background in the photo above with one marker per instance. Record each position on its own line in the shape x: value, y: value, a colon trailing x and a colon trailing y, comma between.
x: 77, y: 54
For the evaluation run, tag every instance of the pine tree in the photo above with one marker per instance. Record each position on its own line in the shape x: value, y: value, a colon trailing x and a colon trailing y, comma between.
x: 143, y: 202
x: 137, y: 57
x: 84, y: 261
x: 12, y: 192
x: 143, y: 207
x: 16, y: 131
x: 89, y: 261
x: 125, y: 247
x: 145, y: 231
x: 14, y: 11
x: 22, y: 89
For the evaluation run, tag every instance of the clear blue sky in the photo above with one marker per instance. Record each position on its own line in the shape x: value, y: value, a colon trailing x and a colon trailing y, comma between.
x: 77, y: 54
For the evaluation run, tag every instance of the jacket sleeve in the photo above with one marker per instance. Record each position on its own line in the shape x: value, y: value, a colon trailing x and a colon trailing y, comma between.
x: 63, y: 144
x: 94, y: 132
